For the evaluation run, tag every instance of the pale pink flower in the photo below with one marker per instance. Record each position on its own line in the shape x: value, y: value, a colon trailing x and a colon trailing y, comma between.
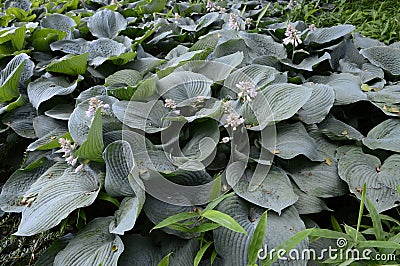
x: 247, y: 90
x: 292, y: 36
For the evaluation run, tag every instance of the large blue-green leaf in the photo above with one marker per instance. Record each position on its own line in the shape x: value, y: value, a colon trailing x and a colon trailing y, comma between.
x: 58, y: 22
x: 57, y: 199
x: 325, y: 35
x: 338, y: 130
x: 385, y: 136
x: 21, y: 121
x: 381, y: 179
x: 43, y: 89
x: 274, y: 192
x: 385, y: 57
x: 106, y: 24
x: 10, y: 77
x: 94, y: 245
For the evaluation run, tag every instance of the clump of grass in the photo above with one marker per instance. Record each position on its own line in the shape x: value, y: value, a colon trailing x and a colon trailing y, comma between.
x: 376, y: 19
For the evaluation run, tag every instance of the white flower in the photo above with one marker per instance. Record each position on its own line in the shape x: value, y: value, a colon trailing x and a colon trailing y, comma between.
x: 94, y: 104
x: 291, y: 4
x: 233, y: 22
x: 226, y: 139
x: 169, y: 103
x: 292, y: 36
x: 247, y: 90
x: 312, y: 27
x: 67, y: 148
x: 234, y: 121
x: 177, y: 16
x: 247, y: 22
x: 79, y: 168
x: 210, y: 7
x: 227, y: 106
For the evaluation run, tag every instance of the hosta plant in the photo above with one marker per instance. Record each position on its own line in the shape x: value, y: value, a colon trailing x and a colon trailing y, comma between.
x: 138, y: 118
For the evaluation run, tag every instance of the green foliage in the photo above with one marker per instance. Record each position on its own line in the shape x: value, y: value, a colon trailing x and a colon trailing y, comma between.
x: 163, y: 132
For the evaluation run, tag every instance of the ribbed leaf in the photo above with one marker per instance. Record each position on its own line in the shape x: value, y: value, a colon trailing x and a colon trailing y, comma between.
x: 357, y: 168
x: 385, y: 57
x: 274, y: 192
x: 385, y: 136
x: 262, y: 45
x: 18, y: 183
x: 43, y: 89
x: 61, y: 111
x: 21, y: 121
x: 125, y: 216
x: 307, y: 204
x: 58, y: 22
x: 47, y: 258
x: 318, y: 106
x: 94, y: 245
x: 106, y: 24
x: 70, y: 65
x: 308, y: 63
x: 102, y: 49
x: 293, y: 140
x: 338, y: 130
x: 145, y: 116
x: 347, y: 87
x: 184, y: 85
x: 325, y: 35
x: 57, y: 199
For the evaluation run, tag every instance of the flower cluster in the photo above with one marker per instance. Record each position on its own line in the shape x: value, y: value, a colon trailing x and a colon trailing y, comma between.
x: 292, y: 36
x: 233, y: 22
x: 291, y: 4
x: 211, y: 7
x: 67, y: 148
x: 93, y: 105
x: 234, y: 121
x: 169, y: 103
x: 312, y: 27
x: 247, y: 90
x: 248, y: 22
x: 226, y: 139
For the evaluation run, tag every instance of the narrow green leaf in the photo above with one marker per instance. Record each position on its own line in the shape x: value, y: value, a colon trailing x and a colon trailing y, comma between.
x: 288, y: 245
x: 92, y: 148
x: 174, y: 219
x: 205, y: 227
x: 213, y: 256
x: 257, y: 239
x: 262, y: 13
x: 376, y: 220
x: 378, y: 244
x: 335, y: 224
x: 216, y: 201
x: 165, y: 260
x: 200, y: 253
x: 106, y: 197
x: 360, y: 213
x: 216, y: 188
x: 224, y: 220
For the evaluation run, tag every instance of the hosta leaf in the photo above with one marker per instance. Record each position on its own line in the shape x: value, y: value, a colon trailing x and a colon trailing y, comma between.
x: 49, y: 141
x: 21, y: 4
x: 123, y: 78
x: 10, y: 77
x: 317, y: 179
x: 184, y: 85
x: 61, y: 111
x: 75, y: 46
x: 293, y: 140
x: 263, y: 45
x: 141, y: 250
x: 385, y: 136
x: 22, y: 99
x: 18, y: 183
x: 325, y: 35
x: 385, y: 57
x: 93, y: 147
x: 217, y: 69
x: 318, y: 105
x: 307, y: 204
x: 125, y: 216
x: 106, y: 24
x: 21, y: 121
x: 357, y: 168
x: 94, y: 245
x: 308, y: 63
x: 389, y: 95
x: 43, y: 89
x: 285, y: 99
x: 43, y: 124
x: 347, y: 87
x: 70, y: 65
x: 338, y: 130
x: 274, y: 192
x: 233, y: 247
x: 102, y: 49
x: 145, y: 116
x: 57, y: 199
x: 43, y: 37
x: 149, y: 6
x: 58, y: 22
x: 118, y: 157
